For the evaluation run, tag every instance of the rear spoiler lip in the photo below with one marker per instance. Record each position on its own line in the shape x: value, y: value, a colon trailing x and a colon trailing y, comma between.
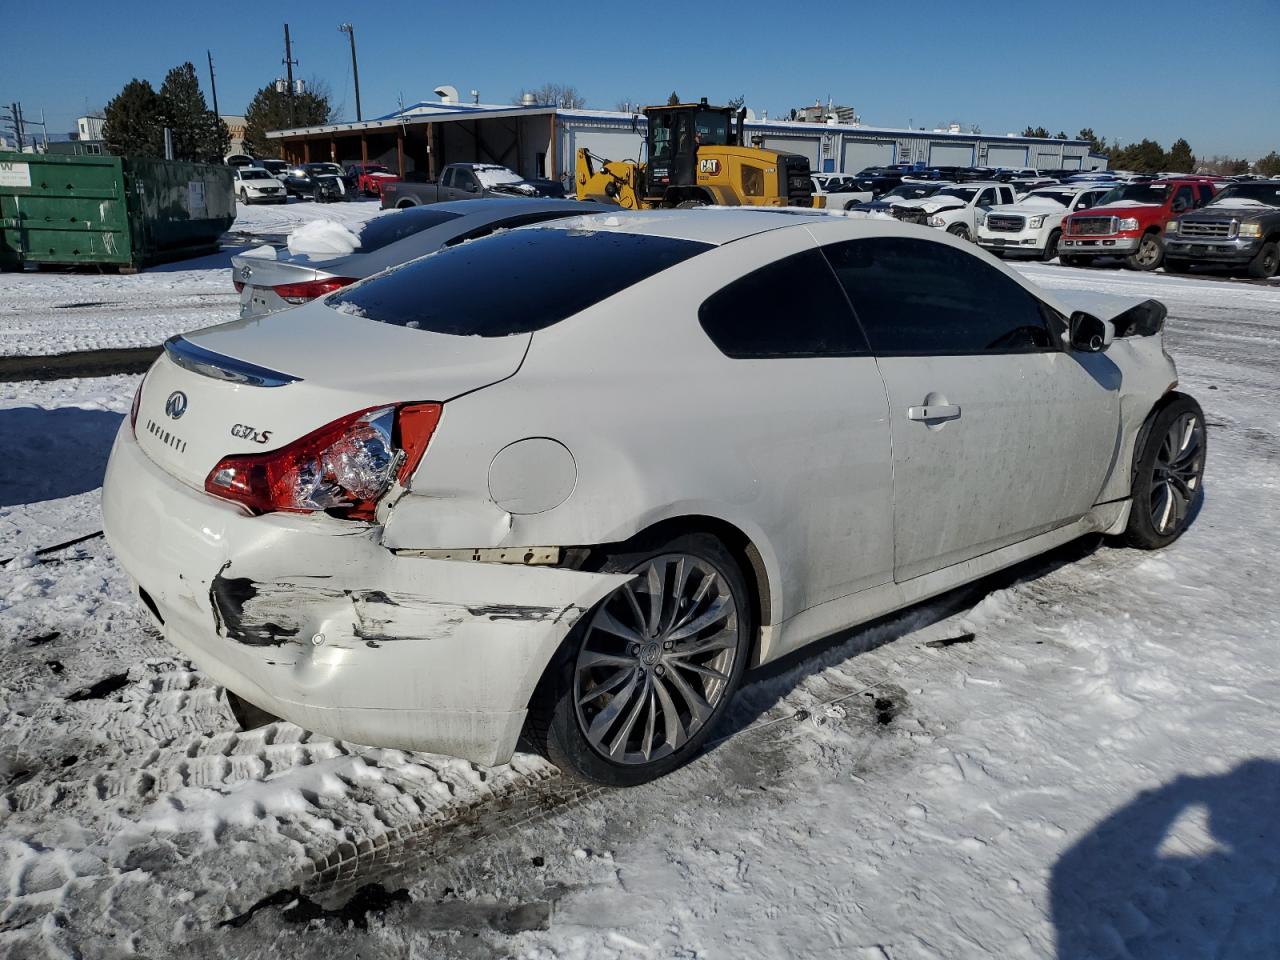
x: 218, y: 366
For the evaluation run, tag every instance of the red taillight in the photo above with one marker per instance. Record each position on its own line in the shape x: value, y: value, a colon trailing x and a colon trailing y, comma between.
x: 344, y: 467
x: 302, y: 292
x: 238, y: 285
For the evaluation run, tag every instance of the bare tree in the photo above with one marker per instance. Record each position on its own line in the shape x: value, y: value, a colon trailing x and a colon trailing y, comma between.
x: 562, y: 95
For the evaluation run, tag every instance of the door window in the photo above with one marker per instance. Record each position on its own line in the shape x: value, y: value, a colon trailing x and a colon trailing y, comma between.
x: 791, y: 308
x: 448, y: 177
x: 1006, y: 195
x: 1184, y: 199
x: 916, y: 297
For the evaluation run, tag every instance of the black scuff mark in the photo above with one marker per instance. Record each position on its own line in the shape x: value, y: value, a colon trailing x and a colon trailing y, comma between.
x: 102, y: 689
x: 43, y: 639
x: 516, y: 611
x: 298, y: 908
x: 950, y: 641
x: 228, y: 597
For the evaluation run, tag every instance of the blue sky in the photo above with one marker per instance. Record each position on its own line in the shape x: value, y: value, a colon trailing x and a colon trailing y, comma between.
x: 1209, y: 72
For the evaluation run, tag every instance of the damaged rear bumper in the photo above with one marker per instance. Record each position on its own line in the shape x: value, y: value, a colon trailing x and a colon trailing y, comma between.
x: 311, y: 619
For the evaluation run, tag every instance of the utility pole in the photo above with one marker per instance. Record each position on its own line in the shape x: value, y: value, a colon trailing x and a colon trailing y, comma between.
x: 289, y: 64
x: 350, y: 31
x: 213, y: 83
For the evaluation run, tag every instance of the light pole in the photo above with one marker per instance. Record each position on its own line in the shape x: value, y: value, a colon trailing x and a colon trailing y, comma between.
x: 350, y: 31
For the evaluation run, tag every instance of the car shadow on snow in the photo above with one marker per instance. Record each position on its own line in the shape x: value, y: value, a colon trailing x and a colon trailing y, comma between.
x: 49, y: 454
x: 1188, y: 870
x: 764, y: 686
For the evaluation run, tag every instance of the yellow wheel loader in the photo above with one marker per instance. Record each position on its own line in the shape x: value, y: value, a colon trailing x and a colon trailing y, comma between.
x: 697, y: 157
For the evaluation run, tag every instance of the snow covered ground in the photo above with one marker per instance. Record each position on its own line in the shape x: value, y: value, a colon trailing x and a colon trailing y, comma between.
x: 51, y: 312
x: 1076, y: 759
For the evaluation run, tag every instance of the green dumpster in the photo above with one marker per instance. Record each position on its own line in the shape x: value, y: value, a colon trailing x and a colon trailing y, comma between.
x: 109, y: 211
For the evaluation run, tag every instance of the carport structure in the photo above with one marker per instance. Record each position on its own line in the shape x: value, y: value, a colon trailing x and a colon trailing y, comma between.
x: 425, y: 137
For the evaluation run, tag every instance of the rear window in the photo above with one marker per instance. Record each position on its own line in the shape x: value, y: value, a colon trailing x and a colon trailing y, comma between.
x: 391, y: 227
x: 514, y: 282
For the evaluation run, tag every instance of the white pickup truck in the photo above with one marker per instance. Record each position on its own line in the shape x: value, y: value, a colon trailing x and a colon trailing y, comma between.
x: 839, y: 190
x: 955, y: 208
x: 1033, y: 225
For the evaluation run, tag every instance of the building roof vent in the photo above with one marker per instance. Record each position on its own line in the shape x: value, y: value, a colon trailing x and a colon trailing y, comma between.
x: 528, y: 100
x: 446, y: 93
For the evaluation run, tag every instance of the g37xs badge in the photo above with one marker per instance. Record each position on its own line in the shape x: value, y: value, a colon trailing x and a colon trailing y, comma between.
x: 243, y: 431
x: 176, y: 405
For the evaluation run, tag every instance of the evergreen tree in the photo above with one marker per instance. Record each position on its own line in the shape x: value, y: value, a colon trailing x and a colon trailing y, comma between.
x: 1237, y: 167
x: 197, y: 133
x: 1096, y: 144
x: 1180, y: 159
x: 1144, y: 157
x: 1269, y: 166
x: 1061, y: 135
x: 1040, y: 132
x: 673, y: 99
x: 269, y: 110
x: 131, y: 124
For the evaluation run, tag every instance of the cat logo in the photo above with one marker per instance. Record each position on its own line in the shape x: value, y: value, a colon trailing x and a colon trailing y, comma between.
x: 710, y: 166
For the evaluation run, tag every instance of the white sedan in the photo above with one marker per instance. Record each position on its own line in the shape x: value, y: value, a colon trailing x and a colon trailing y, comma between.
x: 572, y: 480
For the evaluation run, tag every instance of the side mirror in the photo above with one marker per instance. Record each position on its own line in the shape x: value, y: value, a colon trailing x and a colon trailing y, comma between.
x: 1090, y: 334
x: 472, y: 188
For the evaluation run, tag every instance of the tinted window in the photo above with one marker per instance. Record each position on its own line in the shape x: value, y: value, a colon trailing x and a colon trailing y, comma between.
x: 391, y: 227
x: 791, y: 308
x: 919, y: 297
x: 511, y: 283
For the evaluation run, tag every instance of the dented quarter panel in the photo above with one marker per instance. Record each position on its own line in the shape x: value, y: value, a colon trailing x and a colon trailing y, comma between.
x: 415, y: 653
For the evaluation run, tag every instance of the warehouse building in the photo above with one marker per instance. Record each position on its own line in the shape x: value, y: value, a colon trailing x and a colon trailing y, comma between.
x: 540, y: 141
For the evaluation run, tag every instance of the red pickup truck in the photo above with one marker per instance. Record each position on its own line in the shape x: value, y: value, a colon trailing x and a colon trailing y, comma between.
x: 1129, y: 222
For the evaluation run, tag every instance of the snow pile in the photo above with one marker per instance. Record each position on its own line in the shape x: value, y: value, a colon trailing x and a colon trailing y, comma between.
x: 322, y: 239
x: 491, y: 177
x: 264, y: 252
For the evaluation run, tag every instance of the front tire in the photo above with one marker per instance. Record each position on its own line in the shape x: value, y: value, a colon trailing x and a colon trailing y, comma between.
x: 1149, y: 254
x: 1266, y: 263
x: 960, y: 231
x: 244, y: 197
x: 1168, y: 476
x: 646, y: 674
x: 1051, y: 248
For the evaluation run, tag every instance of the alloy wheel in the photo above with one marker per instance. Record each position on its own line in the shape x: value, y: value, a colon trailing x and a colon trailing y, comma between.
x: 1148, y: 251
x: 656, y: 659
x: 1179, y: 466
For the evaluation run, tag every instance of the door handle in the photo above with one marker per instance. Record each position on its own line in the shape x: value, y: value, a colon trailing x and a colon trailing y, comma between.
x: 934, y: 412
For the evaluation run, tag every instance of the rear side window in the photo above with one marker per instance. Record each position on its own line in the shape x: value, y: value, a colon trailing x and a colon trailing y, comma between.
x: 917, y: 297
x: 513, y: 282
x: 791, y: 308
x: 391, y: 227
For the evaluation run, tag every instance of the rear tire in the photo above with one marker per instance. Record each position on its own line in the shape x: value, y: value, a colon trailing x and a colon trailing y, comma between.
x: 666, y: 653
x: 1266, y: 263
x: 1168, y: 476
x: 1149, y: 255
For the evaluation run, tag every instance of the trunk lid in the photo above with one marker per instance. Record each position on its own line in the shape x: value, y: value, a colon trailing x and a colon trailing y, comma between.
x: 251, y: 386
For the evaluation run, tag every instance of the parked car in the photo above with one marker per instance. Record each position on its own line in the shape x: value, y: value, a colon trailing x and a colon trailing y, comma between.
x: 1239, y: 227
x: 322, y: 182
x: 879, y: 180
x: 839, y: 192
x: 277, y: 168
x: 367, y: 179
x: 1033, y: 225
x: 267, y: 285
x: 907, y: 190
x: 467, y: 181
x: 533, y: 483
x: 256, y: 185
x: 1024, y: 185
x: 956, y: 208
x: 1129, y: 222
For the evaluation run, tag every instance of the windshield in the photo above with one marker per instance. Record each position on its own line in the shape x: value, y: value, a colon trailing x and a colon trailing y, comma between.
x: 912, y: 191
x: 1136, y: 193
x: 963, y: 193
x: 495, y: 176
x: 323, y: 168
x: 254, y: 175
x: 1057, y: 196
x: 1248, y: 195
x: 711, y: 127
x: 514, y: 282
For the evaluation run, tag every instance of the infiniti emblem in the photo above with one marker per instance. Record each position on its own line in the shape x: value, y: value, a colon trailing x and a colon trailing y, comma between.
x: 176, y: 405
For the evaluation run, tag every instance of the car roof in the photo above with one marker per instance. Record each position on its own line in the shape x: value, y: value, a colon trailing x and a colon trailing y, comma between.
x: 505, y: 206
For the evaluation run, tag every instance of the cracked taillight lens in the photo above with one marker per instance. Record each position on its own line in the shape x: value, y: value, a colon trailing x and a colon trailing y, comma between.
x: 344, y: 468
